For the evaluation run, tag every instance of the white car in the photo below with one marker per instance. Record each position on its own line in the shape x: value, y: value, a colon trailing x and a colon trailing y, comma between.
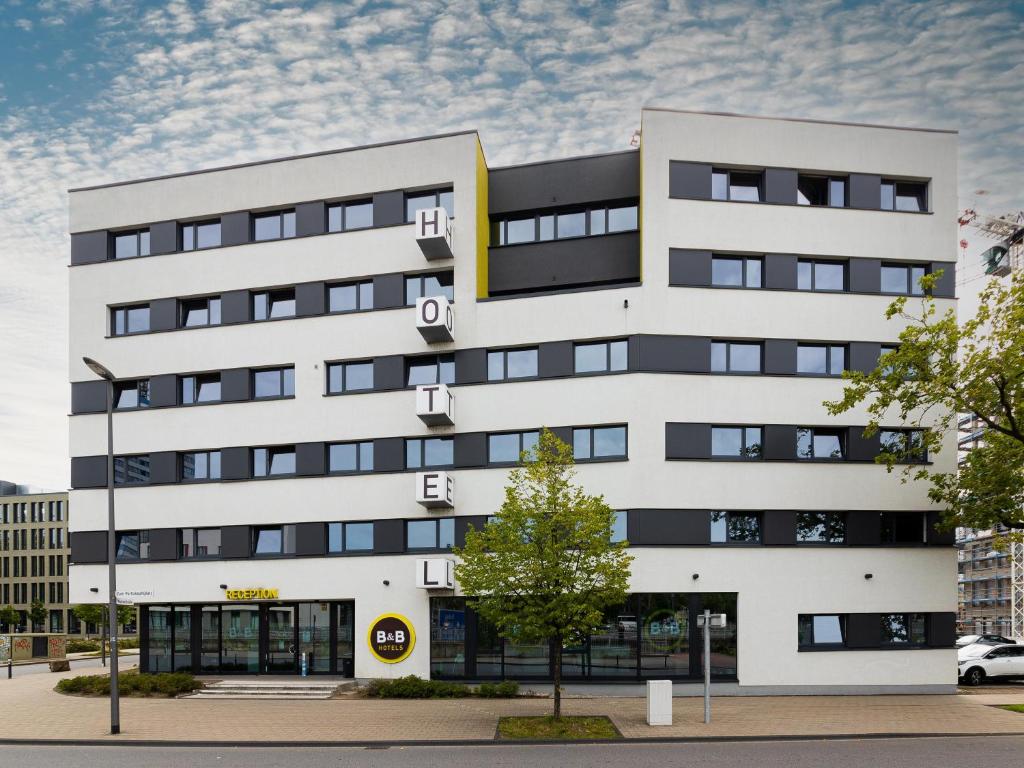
x: 976, y: 663
x: 983, y: 639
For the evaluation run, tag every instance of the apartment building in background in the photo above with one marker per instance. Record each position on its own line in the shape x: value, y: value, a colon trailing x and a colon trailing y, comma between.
x: 327, y: 364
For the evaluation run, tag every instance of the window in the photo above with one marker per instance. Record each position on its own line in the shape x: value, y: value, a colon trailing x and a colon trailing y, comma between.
x: 507, y: 447
x: 349, y: 377
x: 903, y: 279
x: 273, y: 540
x: 271, y: 462
x: 619, y: 526
x: 273, y: 226
x: 600, y: 357
x: 199, y: 312
x: 126, y: 320
x: 201, y: 388
x: 906, y: 444
x: 421, y: 453
x: 350, y: 297
x: 821, y: 190
x: 430, y: 534
x: 736, y: 185
x: 200, y: 542
x: 903, y: 629
x: 814, y: 275
x: 904, y: 195
x: 820, y: 359
x: 820, y: 527
x: 903, y: 527
x: 200, y: 465
x: 437, y: 198
x: 820, y: 443
x: 131, y: 394
x: 590, y: 443
x: 273, y: 382
x: 131, y: 470
x: 821, y: 630
x: 430, y: 284
x: 132, y: 545
x: 736, y: 271
x: 507, y: 364
x: 735, y: 357
x: 357, y: 214
x: 128, y: 245
x: 559, y: 225
x: 735, y: 527
x: 736, y: 442
x: 350, y: 457
x: 200, y: 234
x: 349, y: 537
x: 430, y: 369
x: 269, y: 305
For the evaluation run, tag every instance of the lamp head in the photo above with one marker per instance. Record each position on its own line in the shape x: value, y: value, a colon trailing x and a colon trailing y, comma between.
x: 99, y: 369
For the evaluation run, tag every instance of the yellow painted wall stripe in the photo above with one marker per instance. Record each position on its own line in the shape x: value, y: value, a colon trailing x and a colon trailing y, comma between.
x: 483, y: 223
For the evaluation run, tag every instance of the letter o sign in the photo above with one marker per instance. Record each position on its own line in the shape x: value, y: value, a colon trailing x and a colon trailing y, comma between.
x: 430, y: 312
x: 391, y: 638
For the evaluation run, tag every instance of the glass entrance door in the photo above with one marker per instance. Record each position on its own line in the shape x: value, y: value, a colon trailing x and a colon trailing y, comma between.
x: 315, y: 636
x: 280, y: 655
x: 240, y: 648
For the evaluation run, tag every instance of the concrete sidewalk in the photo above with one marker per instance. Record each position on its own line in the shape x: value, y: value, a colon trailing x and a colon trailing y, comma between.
x: 34, y: 711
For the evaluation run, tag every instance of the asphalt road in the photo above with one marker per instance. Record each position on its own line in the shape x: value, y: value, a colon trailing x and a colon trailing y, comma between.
x: 892, y: 753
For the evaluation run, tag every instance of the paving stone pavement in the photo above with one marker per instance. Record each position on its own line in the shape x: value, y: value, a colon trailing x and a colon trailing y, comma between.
x: 33, y: 710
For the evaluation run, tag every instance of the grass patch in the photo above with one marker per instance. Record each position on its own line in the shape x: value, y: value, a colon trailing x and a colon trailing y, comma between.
x: 162, y: 685
x: 565, y: 729
x: 1013, y: 707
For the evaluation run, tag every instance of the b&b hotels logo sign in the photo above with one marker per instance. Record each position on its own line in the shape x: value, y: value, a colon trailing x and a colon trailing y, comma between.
x: 391, y: 638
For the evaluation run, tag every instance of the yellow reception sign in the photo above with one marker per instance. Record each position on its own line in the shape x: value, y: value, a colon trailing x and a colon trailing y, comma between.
x: 391, y: 638
x: 257, y: 593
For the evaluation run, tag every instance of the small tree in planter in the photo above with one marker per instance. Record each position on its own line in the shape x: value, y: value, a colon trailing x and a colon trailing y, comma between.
x: 9, y: 617
x: 37, y: 615
x: 545, y: 569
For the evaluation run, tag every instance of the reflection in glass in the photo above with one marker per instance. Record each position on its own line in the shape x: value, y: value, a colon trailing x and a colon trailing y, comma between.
x: 447, y: 637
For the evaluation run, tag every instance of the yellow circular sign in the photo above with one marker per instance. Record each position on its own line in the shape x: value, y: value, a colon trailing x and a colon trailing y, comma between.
x: 391, y: 638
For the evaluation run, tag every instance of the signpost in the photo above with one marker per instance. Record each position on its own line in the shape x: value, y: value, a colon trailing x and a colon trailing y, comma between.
x: 708, y: 620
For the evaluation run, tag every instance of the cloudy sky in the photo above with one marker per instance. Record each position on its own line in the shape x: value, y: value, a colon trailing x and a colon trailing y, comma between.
x: 101, y: 90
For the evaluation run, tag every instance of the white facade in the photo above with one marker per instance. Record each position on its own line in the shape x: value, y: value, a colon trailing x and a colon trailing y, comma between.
x: 773, y: 584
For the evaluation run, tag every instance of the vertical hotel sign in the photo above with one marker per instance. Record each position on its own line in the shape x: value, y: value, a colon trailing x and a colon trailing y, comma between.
x: 391, y: 638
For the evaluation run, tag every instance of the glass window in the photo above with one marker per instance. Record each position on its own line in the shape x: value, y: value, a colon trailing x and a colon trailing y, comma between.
x: 273, y: 226
x: 736, y: 271
x: 269, y: 462
x: 520, y: 231
x: 199, y: 312
x: 131, y: 394
x: 430, y: 284
x: 837, y: 193
x: 203, y: 234
x: 719, y: 185
x: 125, y: 320
x: 274, y: 382
x: 443, y: 198
x: 430, y: 534
x: 735, y: 527
x: 349, y: 377
x: 736, y: 442
x: 350, y: 457
x: 811, y: 190
x: 342, y: 217
x: 622, y: 219
x: 598, y: 220
x: 888, y: 196
x: 203, y: 388
x: 821, y: 275
x: 350, y: 297
x: 506, y: 448
x: 431, y: 369
x: 270, y: 305
x: 200, y: 542
x: 128, y: 245
x: 821, y: 630
x: 350, y: 537
x: 200, y: 465
x: 820, y: 527
x: 745, y: 186
x: 619, y: 526
x: 911, y: 196
x: 598, y: 443
x: 604, y: 356
x: 907, y: 444
x: 903, y: 628
x: 735, y: 357
x: 503, y: 364
x: 903, y: 279
x: 570, y: 224
x: 131, y: 470
x: 132, y: 545
x: 820, y: 360
x: 820, y: 443
x: 274, y: 540
x: 429, y: 452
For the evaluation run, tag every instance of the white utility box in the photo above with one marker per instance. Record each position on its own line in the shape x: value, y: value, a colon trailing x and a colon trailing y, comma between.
x: 659, y: 702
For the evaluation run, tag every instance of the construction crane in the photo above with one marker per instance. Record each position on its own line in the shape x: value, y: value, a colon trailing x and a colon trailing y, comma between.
x: 1006, y: 256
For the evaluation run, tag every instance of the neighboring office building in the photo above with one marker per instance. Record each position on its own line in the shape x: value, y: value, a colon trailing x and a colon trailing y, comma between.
x: 281, y: 485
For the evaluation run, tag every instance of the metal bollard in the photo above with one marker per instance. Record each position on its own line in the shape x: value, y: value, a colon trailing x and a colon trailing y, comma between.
x: 10, y: 666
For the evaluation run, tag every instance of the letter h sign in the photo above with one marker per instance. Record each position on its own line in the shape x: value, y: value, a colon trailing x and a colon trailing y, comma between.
x: 434, y: 233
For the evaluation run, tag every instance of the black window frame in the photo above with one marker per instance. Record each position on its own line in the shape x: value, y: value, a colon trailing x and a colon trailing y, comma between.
x: 744, y: 270
x: 282, y: 223
x: 125, y: 310
x: 421, y: 288
x: 193, y: 227
x: 441, y: 359
x: 286, y: 541
x: 359, y: 446
x: 743, y: 455
x: 183, y: 310
x: 209, y: 454
x: 450, y: 522
x: 521, y: 435
x: 916, y: 189
x: 143, y: 244
x: 549, y: 217
x: 273, y: 295
x: 194, y: 544
x: 729, y: 344
x: 343, y: 366
x: 906, y: 452
x: 607, y: 343
x: 590, y: 458
x: 815, y: 262
x: 829, y: 520
x: 504, y: 352
x: 908, y: 621
x: 829, y: 180
x: 728, y: 173
x: 343, y: 528
x: 142, y: 546
x: 140, y: 386
x: 271, y: 452
x: 893, y: 526
x: 198, y: 379
x: 830, y: 350
x: 342, y: 207
x: 814, y: 431
x: 730, y: 515
x: 282, y: 379
x: 422, y: 450
x: 124, y: 462
x: 908, y: 278
x: 814, y: 645
x: 360, y: 286
x: 438, y: 201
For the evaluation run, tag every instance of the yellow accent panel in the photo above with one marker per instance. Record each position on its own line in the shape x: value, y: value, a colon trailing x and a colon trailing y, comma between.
x: 483, y: 223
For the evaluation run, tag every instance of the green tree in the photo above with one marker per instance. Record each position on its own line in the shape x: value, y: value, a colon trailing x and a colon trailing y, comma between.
x: 941, y: 370
x: 96, y: 613
x: 545, y: 568
x: 37, y: 614
x: 9, y: 617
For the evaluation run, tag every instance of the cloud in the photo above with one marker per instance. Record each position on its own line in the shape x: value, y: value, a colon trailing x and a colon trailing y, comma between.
x: 186, y: 84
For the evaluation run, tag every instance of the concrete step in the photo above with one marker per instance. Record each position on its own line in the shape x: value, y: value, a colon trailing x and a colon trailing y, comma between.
x: 271, y: 689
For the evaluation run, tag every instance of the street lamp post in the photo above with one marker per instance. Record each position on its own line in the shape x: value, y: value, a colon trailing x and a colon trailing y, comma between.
x: 115, y: 701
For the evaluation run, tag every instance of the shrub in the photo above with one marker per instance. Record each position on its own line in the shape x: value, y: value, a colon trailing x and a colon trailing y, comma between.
x: 413, y: 687
x: 82, y: 646
x: 164, y: 684
x: 128, y: 642
x: 506, y: 689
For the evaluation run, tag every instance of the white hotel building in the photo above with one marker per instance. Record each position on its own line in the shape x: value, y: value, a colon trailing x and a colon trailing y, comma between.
x: 678, y: 313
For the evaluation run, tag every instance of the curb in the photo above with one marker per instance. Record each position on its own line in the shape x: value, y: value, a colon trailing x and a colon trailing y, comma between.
x: 206, y: 744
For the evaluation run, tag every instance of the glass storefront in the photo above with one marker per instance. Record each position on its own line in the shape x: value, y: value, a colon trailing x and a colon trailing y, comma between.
x: 257, y: 638
x: 651, y: 636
